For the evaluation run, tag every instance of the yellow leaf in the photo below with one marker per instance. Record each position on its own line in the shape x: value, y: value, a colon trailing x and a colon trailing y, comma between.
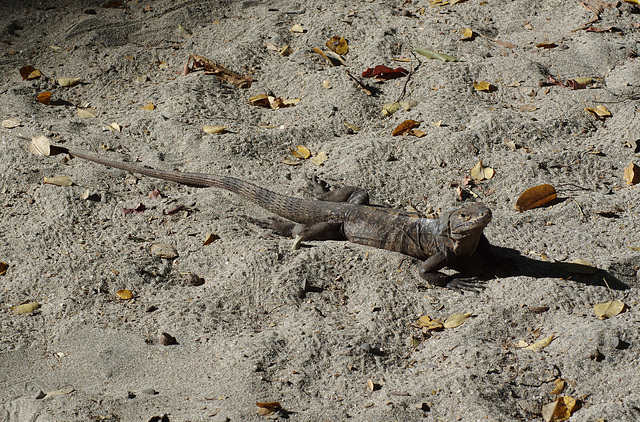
x: 559, y: 410
x: 483, y: 86
x: 608, y: 309
x: 261, y: 100
x: 287, y: 102
x: 25, y: 308
x: 149, y: 106
x: 86, y: 113
x: 560, y: 385
x: 389, y: 108
x: 535, y: 197
x: 40, y: 145
x: 124, y: 294
x: 285, y: 51
x: 29, y: 72
x: 636, y: 2
x: 58, y: 180
x: 467, y: 34
x: 631, y: 174
x: 430, y: 324
x: 214, y: 129
x: 600, y: 112
x: 301, y: 151
x: 456, y: 320
x: 291, y: 162
x: 68, y: 82
x: 338, y: 45
x: 319, y: 158
x: 479, y: 172
x: 541, y: 344
x: 583, y: 81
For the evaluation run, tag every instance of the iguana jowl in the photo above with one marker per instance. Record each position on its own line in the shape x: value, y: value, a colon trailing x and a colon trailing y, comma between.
x: 344, y: 214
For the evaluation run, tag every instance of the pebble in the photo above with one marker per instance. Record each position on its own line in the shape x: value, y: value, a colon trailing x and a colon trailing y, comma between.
x: 39, y: 395
x: 149, y: 391
x: 167, y: 339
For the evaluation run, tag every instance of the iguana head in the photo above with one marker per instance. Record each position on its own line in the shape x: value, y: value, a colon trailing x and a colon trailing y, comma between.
x: 466, y: 225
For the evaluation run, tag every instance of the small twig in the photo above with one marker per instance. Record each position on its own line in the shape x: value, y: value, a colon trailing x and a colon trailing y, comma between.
x: 360, y: 84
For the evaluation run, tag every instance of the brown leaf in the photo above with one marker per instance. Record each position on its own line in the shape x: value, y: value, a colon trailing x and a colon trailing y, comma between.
x: 268, y: 408
x: 547, y: 45
x: 3, y: 268
x: 405, y: 127
x: 535, y: 197
x: 631, y: 174
x: 29, y: 72
x: 209, y: 238
x: 384, y: 73
x: 338, y: 45
x: 163, y: 250
x: 44, y: 98
x: 195, y: 62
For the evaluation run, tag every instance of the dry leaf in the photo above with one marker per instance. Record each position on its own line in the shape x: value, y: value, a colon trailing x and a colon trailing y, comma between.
x: 435, y: 55
x: 115, y: 126
x: 40, y: 145
x: 631, y: 174
x: 541, y: 344
x: 608, y: 309
x: 86, y: 113
x: 29, y: 72
x: 319, y: 158
x: 268, y: 408
x: 214, y: 129
x: 149, y: 106
x: 527, y: 107
x: 384, y: 73
x: 583, y: 81
x: 44, y: 98
x: 338, y: 45
x: 326, y: 84
x: 3, y: 268
x: 456, y: 320
x: 389, y: 108
x: 479, y: 172
x: 559, y: 410
x: 483, y: 86
x: 285, y: 51
x: 430, y: 324
x: 25, y: 308
x: 195, y: 62
x: 405, y: 127
x: 301, y: 151
x: 408, y: 104
x: 163, y: 250
x: 546, y: 45
x: 11, y: 123
x: 600, y: 112
x: 68, y: 82
x: 210, y: 238
x: 297, y: 29
x: 467, y: 34
x: 560, y: 386
x: 124, y: 294
x: 535, y: 197
x: 58, y: 181
x: 261, y: 100
x: 352, y: 127
x: 419, y: 133
x: 370, y: 385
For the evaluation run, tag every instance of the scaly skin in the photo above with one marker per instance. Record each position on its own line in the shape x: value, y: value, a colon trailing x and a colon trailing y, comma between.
x: 344, y: 214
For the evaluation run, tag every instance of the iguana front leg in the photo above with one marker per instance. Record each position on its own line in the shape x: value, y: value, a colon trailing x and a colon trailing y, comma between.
x: 350, y: 194
x: 430, y: 271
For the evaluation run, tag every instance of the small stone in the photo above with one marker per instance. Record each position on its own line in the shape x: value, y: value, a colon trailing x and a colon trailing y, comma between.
x: 39, y: 395
x: 167, y: 339
x: 619, y: 344
x: 149, y: 391
x: 366, y: 347
x: 131, y: 395
x: 194, y: 279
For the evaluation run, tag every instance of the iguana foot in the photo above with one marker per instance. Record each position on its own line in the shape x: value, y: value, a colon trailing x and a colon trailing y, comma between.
x: 469, y: 284
x: 351, y: 194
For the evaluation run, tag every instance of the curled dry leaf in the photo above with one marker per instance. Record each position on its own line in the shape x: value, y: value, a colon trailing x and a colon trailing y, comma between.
x: 338, y: 45
x: 547, y: 45
x: 541, y: 344
x: 535, y: 197
x: 268, y: 408
x: 430, y: 54
x: 631, y: 174
x: 29, y: 72
x: 319, y: 158
x: 333, y: 58
x: 456, y: 320
x: 40, y: 145
x: 58, y: 181
x: 214, y: 129
x: 210, y: 238
x: 3, y: 268
x: 11, y: 123
x: 483, y: 86
x: 301, y: 151
x: 25, y: 308
x: 352, y: 127
x: 560, y: 385
x: 405, y: 127
x: 86, y: 113
x: 559, y: 410
x: 163, y: 250
x: 44, y: 98
x: 608, y: 309
x: 115, y: 126
x: 600, y: 112
x: 479, y: 172
x: 68, y: 82
x: 384, y: 73
x: 124, y: 294
x: 389, y: 108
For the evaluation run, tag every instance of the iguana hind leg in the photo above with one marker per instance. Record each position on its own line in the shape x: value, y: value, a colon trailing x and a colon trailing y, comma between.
x: 351, y: 194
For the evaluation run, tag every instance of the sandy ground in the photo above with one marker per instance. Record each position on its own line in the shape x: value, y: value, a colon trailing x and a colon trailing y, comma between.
x: 309, y: 328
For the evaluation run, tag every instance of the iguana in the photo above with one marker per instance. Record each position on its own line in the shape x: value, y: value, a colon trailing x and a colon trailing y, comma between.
x: 345, y: 214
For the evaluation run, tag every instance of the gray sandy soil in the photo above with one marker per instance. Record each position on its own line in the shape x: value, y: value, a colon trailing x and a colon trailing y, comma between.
x: 308, y: 328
